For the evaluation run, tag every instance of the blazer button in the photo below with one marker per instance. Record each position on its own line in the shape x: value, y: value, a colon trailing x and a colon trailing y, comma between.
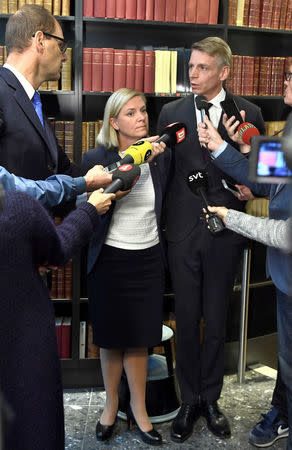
x: 50, y: 166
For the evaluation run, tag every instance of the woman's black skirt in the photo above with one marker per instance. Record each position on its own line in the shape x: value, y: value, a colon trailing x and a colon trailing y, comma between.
x: 125, y: 292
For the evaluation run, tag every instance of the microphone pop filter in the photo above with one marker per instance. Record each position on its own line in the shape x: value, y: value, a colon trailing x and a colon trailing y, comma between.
x: 201, y: 102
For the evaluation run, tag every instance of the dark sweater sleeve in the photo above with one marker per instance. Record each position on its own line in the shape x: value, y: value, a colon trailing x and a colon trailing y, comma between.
x: 51, y: 244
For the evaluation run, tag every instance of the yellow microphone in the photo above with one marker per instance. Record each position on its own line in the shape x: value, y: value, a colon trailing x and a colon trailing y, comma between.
x: 137, y: 153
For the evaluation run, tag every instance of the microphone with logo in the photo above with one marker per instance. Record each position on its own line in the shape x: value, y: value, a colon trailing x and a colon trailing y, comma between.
x: 140, y: 151
x: 197, y: 181
x: 123, y: 178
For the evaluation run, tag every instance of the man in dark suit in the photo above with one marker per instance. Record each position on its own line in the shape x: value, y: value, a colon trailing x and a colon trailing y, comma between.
x: 35, y: 53
x: 203, y: 266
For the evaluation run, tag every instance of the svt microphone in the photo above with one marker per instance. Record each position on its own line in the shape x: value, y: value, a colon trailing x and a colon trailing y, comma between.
x: 124, y: 178
x: 197, y: 181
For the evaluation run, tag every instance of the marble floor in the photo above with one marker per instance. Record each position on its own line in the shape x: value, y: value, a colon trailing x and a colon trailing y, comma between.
x: 242, y: 403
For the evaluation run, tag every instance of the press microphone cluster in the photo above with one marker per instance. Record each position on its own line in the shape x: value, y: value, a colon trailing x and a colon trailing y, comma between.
x: 140, y: 152
x: 197, y: 181
x: 246, y: 130
x: 123, y: 178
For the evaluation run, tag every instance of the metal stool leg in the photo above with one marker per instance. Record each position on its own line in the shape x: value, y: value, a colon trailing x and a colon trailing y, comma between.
x: 244, y: 314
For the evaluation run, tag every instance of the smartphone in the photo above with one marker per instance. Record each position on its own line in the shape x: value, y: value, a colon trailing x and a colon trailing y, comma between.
x: 231, y: 187
x: 267, y: 161
x: 231, y: 109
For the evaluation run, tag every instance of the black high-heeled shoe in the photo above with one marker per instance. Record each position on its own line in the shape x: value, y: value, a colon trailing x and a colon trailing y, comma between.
x: 104, y: 432
x: 151, y: 437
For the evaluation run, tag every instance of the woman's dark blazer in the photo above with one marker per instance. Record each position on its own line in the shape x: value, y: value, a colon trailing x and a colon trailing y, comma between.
x: 159, y: 170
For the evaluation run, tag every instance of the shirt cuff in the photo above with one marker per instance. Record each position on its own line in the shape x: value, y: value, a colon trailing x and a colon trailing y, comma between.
x: 80, y: 185
x: 220, y: 150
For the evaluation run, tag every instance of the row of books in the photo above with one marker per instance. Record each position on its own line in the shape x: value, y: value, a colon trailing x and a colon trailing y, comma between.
x: 65, y: 82
x: 64, y: 131
x: 56, y: 7
x: 186, y: 11
x: 62, y: 282
x: 63, y: 332
x: 159, y: 71
x: 273, y: 14
x: 257, y: 75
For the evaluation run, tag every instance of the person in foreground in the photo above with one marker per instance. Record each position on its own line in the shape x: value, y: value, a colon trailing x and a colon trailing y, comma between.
x: 125, y: 267
x: 30, y: 375
x: 202, y: 284
x: 278, y: 264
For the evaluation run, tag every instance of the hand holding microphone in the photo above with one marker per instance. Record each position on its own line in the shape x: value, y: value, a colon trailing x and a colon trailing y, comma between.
x: 197, y: 181
x: 124, y: 178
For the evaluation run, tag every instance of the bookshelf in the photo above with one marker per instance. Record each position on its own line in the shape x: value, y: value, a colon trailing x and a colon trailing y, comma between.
x: 80, y: 106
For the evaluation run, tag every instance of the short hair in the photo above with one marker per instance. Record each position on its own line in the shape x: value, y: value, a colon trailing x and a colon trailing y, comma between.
x: 215, y: 46
x: 108, y: 136
x: 24, y: 23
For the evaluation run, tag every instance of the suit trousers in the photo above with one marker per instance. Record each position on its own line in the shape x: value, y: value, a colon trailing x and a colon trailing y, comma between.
x: 203, y: 268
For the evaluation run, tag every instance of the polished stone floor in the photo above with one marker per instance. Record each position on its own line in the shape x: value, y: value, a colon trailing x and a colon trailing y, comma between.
x: 242, y: 403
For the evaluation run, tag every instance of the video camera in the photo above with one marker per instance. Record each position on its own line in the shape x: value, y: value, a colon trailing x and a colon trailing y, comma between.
x: 271, y: 157
x: 267, y: 162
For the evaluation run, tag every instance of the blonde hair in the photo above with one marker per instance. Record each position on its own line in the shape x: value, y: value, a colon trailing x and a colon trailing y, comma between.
x: 108, y: 136
x: 215, y: 46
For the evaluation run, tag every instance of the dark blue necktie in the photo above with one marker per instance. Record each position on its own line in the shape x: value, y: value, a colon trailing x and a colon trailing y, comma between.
x: 37, y: 104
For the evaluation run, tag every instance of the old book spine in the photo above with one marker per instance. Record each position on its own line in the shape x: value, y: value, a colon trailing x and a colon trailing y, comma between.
x: 48, y: 4
x: 170, y: 10
x: 65, y: 7
x: 159, y: 10
x: 68, y: 279
x: 283, y: 14
x: 139, y: 70
x: 203, y: 11
x: 131, y: 9
x: 276, y: 14
x: 191, y: 11
x: 213, y: 11
x: 88, y: 8
x: 57, y: 7
x: 107, y: 69
x: 149, y: 70
x: 120, y: 60
x: 265, y: 75
x: 66, y: 77
x: 180, y: 12
x: 247, y: 75
x: 99, y: 8
x: 87, y: 60
x: 69, y: 139
x: 256, y: 75
x: 254, y: 13
x: 246, y: 12
x: 141, y: 9
x: 130, y: 69
x: 96, y: 69
x: 149, y: 10
x: 110, y: 9
x: 121, y: 9
x: 266, y: 14
x: 60, y: 133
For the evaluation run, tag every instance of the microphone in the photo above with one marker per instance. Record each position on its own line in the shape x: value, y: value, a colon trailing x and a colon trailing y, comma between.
x: 140, y: 151
x: 201, y: 103
x: 246, y: 131
x: 198, y: 181
x: 124, y: 178
x: 175, y: 133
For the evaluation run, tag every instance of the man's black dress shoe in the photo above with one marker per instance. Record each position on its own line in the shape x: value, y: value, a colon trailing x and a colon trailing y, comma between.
x: 216, y: 421
x: 104, y: 432
x: 182, y: 425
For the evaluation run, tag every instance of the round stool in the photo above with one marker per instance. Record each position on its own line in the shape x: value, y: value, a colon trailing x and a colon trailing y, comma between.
x: 162, y: 401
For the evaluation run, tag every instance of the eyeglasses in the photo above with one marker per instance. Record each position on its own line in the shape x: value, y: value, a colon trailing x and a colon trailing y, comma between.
x: 62, y: 46
x: 287, y: 76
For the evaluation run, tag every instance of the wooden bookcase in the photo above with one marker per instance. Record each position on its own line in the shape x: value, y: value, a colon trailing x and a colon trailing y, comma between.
x: 88, y: 106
